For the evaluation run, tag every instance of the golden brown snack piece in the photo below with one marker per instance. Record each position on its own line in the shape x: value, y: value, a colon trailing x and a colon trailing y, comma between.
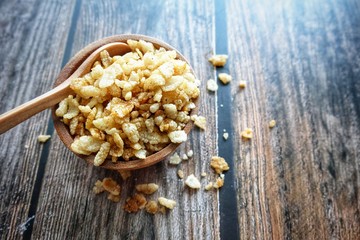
x: 130, y: 106
x: 211, y: 85
x: 175, y: 159
x: 168, y: 203
x: 209, y: 186
x: 148, y: 188
x: 192, y: 182
x: 114, y: 198
x: 111, y: 186
x: 219, y: 182
x: 219, y: 164
x: 180, y: 174
x: 225, y: 78
x: 272, y: 123
x: 242, y: 84
x: 152, y: 207
x: 247, y: 133
x: 199, y: 121
x: 135, y: 203
x: 98, y: 188
x: 43, y: 138
x: 190, y: 153
x: 218, y: 60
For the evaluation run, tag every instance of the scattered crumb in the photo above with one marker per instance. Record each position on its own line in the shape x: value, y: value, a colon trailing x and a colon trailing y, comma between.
x: 175, y: 159
x: 225, y: 78
x: 224, y: 130
x: 125, y: 174
x: 148, y: 188
x: 199, y: 121
x: 43, y: 138
x: 185, y: 157
x: 221, y: 105
x: 203, y: 174
x: 247, y: 133
x: 192, y: 182
x: 98, y: 188
x: 114, y: 198
x: 190, y: 153
x: 226, y: 135
x: 151, y: 207
x: 242, y: 84
x: 218, y: 60
x: 209, y: 186
x: 272, y: 123
x: 219, y: 183
x: 135, y: 203
x: 111, y: 186
x: 180, y: 174
x: 26, y: 146
x: 211, y: 85
x: 219, y: 164
x: 168, y: 203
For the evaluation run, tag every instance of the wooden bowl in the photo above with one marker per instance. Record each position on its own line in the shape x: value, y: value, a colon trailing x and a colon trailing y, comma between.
x: 63, y: 130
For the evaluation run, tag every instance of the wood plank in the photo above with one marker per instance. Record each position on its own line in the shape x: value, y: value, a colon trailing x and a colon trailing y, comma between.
x: 68, y: 208
x: 31, y: 50
x: 299, y: 180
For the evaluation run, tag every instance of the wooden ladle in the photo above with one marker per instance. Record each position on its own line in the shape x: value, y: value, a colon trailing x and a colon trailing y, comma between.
x: 79, y: 65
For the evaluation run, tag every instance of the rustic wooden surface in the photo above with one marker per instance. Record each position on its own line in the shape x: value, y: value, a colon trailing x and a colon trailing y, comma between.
x: 300, y: 180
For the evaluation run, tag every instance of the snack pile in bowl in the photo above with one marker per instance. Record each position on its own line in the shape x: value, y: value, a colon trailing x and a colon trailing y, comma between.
x: 131, y: 106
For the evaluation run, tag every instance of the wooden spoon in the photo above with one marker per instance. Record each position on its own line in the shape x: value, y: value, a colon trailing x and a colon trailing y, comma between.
x: 19, y: 114
x: 80, y: 64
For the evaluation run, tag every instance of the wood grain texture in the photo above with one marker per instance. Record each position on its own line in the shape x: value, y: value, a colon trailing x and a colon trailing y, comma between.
x: 301, y: 59
x: 67, y: 206
x: 31, y: 52
x: 300, y: 180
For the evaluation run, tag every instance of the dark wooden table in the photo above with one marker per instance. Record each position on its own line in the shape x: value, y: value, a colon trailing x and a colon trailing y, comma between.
x: 300, y: 180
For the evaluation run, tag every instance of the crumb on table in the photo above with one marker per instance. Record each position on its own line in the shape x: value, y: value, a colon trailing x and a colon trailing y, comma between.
x: 225, y: 78
x: 242, y: 84
x: 190, y: 153
x: 147, y: 188
x: 151, y: 207
x: 209, y: 186
x: 192, y: 182
x: 168, y: 203
x: 199, y: 121
x: 219, y: 164
x: 211, y: 85
x: 43, y: 138
x: 247, y: 133
x: 175, y: 159
x: 272, y: 123
x: 218, y: 60
x: 218, y: 183
x: 135, y: 203
x: 180, y: 174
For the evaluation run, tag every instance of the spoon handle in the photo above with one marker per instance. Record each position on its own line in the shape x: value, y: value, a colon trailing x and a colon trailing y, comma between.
x: 19, y: 114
